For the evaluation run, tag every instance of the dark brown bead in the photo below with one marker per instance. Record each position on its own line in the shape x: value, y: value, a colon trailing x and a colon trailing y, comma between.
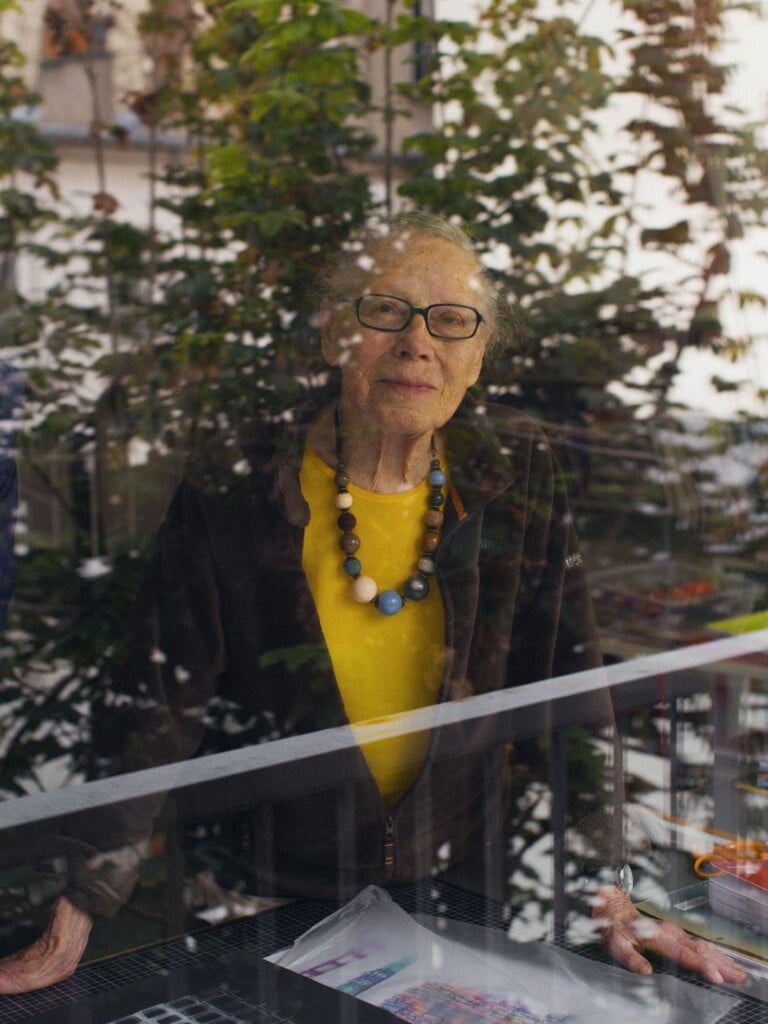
x: 416, y: 588
x: 434, y: 518
x: 430, y: 541
x: 349, y: 543
x: 342, y: 478
x: 346, y: 522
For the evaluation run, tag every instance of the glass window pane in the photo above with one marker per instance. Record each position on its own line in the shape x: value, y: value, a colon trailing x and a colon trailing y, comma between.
x: 458, y: 633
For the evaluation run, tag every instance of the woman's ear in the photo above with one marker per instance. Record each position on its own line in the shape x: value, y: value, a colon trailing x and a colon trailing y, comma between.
x: 477, y: 365
x: 328, y: 335
x: 477, y: 368
x: 339, y: 333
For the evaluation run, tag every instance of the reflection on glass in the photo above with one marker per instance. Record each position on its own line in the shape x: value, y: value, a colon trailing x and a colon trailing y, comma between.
x: 372, y: 510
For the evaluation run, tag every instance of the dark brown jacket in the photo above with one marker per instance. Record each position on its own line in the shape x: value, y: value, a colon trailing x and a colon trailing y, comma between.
x: 227, y: 650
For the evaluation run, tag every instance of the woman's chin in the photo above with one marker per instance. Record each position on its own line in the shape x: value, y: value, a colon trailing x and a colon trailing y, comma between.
x: 410, y: 415
x: 405, y: 422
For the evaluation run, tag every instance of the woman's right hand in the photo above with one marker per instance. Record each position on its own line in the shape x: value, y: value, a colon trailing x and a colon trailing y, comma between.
x: 53, y: 957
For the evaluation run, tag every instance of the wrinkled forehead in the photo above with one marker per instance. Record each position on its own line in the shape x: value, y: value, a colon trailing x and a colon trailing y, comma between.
x: 410, y: 255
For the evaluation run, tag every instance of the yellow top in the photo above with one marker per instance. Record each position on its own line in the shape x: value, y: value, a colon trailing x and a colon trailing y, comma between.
x: 384, y: 664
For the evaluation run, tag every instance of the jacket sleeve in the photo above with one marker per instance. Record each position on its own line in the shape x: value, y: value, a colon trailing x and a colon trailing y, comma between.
x: 153, y: 709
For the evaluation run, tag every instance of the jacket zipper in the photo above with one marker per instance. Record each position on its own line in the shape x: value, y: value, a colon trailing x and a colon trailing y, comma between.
x: 389, y: 820
x: 389, y: 847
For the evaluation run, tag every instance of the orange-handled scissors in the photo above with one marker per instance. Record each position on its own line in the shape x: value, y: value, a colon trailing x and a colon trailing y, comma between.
x: 740, y: 849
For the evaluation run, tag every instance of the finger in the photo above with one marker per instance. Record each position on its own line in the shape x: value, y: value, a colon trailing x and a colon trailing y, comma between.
x: 733, y: 972
x: 624, y: 951
x: 34, y: 970
x: 23, y: 972
x: 53, y: 957
x: 694, y: 954
x: 713, y: 965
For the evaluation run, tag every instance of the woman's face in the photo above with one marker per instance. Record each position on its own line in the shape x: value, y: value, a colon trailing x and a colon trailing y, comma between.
x: 407, y: 382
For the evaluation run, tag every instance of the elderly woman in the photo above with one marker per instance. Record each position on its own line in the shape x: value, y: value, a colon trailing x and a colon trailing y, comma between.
x: 415, y: 547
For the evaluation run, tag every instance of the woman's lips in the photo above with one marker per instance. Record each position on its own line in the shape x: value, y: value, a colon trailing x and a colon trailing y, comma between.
x: 411, y: 386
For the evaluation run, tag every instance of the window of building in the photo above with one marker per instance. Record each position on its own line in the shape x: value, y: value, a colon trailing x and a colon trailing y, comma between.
x: 76, y: 66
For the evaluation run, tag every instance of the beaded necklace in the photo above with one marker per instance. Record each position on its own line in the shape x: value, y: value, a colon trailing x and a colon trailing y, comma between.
x: 416, y: 587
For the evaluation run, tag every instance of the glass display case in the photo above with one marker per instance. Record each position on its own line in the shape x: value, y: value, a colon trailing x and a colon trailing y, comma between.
x: 686, y: 780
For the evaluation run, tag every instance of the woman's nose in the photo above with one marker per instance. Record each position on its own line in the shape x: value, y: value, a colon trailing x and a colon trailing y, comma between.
x: 414, y: 340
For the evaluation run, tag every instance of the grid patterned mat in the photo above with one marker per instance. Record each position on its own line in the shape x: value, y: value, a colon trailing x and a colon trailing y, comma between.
x: 219, y: 1007
x: 260, y: 936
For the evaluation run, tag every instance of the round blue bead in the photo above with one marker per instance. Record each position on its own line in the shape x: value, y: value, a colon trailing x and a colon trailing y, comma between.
x: 437, y: 478
x: 389, y: 602
x: 352, y: 566
x: 416, y: 588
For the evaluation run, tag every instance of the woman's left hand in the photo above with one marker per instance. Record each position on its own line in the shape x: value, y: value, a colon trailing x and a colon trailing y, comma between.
x: 625, y: 932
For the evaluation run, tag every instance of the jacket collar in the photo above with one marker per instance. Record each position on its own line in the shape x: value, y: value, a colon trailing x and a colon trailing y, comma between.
x: 480, y: 468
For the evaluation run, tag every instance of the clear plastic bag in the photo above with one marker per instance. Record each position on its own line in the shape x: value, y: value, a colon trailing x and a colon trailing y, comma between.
x: 435, y: 972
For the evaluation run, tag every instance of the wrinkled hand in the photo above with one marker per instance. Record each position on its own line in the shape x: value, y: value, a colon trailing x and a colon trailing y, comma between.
x: 625, y: 931
x: 53, y: 957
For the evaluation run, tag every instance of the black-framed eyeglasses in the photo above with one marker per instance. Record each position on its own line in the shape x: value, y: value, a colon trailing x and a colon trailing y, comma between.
x: 449, y: 321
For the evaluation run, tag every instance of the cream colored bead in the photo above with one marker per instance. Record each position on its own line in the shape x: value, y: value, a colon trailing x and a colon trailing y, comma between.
x: 364, y: 589
x: 343, y: 500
